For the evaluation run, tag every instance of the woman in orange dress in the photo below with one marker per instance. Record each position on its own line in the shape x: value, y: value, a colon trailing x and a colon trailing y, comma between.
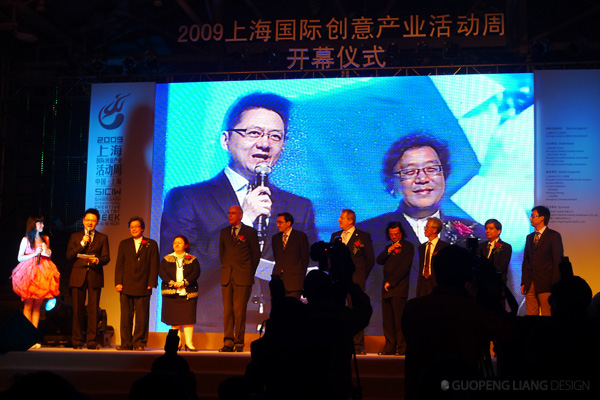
x: 36, y: 277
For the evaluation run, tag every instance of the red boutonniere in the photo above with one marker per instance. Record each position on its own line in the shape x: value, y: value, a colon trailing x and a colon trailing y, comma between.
x: 396, y: 251
x: 240, y: 239
x: 357, y: 246
x: 187, y: 257
x: 145, y: 243
x: 497, y: 248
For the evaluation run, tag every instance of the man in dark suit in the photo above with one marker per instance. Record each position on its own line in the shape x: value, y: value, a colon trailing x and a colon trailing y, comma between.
x: 254, y: 132
x: 89, y: 249
x: 361, y: 248
x: 417, y: 167
x: 291, y: 252
x: 426, y: 279
x: 496, y: 250
x: 239, y: 252
x: 543, y: 253
x: 136, y: 273
x: 396, y: 260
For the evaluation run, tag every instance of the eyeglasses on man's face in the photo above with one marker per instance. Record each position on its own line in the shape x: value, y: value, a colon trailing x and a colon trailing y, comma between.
x: 255, y: 134
x: 430, y: 170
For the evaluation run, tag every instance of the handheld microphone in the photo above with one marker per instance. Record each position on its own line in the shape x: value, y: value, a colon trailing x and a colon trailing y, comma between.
x: 262, y: 170
x: 87, y: 243
x: 38, y: 258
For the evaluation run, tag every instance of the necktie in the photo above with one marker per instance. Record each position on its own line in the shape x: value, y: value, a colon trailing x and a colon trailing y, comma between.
x: 490, y: 246
x: 536, y: 238
x: 427, y: 268
x: 345, y: 237
x: 285, y: 238
x: 233, y: 233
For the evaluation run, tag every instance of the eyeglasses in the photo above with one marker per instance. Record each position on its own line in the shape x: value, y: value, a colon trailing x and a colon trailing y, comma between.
x: 534, y: 216
x: 430, y: 170
x: 255, y: 134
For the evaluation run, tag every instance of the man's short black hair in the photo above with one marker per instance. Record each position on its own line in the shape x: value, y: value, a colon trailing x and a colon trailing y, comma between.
x: 413, y: 141
x: 496, y: 223
x: 140, y: 220
x: 394, y: 225
x: 543, y: 211
x: 454, y: 266
x: 92, y: 211
x: 287, y: 217
x: 268, y: 101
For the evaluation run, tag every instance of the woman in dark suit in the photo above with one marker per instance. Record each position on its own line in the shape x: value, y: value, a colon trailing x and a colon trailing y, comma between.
x: 179, y: 272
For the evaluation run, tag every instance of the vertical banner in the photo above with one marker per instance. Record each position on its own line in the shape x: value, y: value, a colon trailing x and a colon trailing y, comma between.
x: 119, y: 174
x: 567, y: 141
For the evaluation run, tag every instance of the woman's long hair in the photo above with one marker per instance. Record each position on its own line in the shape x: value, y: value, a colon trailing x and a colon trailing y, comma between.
x: 30, y: 230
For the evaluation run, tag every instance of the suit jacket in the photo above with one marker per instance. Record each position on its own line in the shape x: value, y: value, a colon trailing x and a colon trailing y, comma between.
x: 363, y: 257
x: 540, y: 262
x: 98, y: 248
x: 137, y: 271
x: 424, y: 286
x: 291, y: 263
x: 500, y: 257
x: 168, y: 275
x: 396, y: 269
x: 239, y: 258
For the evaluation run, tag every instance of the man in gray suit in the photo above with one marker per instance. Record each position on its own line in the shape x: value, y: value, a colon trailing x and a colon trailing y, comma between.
x: 136, y: 273
x: 239, y: 252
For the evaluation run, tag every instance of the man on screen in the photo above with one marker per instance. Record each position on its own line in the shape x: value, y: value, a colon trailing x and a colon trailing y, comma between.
x: 254, y: 132
x: 417, y: 167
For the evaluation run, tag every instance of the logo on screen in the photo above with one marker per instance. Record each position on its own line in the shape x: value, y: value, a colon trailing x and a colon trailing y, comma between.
x: 112, y: 112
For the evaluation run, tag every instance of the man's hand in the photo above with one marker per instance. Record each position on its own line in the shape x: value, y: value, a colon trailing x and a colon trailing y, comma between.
x: 386, y: 286
x: 257, y: 202
x: 93, y: 260
x: 523, y: 289
x: 394, y: 246
x: 119, y: 288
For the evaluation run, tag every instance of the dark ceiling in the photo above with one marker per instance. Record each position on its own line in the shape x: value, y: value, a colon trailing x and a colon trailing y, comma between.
x: 65, y: 38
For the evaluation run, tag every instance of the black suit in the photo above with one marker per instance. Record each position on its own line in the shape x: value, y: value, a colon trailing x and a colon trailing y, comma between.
x: 136, y: 271
x: 291, y: 263
x: 500, y: 257
x: 396, y: 272
x: 364, y: 259
x: 540, y: 262
x: 199, y: 212
x: 425, y: 286
x: 239, y: 260
x: 87, y: 277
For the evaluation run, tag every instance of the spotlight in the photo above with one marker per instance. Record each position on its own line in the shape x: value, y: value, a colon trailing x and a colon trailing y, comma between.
x: 57, y: 323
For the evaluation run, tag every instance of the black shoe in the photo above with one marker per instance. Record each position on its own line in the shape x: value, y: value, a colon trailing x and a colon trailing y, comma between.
x: 226, y: 349
x: 360, y: 352
x: 239, y: 349
x: 122, y: 348
x: 140, y: 348
x: 77, y: 347
x: 385, y: 353
x: 401, y: 353
x: 94, y: 347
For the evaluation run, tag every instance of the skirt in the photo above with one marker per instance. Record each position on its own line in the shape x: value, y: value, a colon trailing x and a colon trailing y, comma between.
x: 178, y: 310
x: 36, y: 281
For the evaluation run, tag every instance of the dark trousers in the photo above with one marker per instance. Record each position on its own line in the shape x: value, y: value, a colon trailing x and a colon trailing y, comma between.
x: 137, y: 307
x: 235, y: 303
x: 359, y: 338
x: 391, y: 313
x: 78, y: 295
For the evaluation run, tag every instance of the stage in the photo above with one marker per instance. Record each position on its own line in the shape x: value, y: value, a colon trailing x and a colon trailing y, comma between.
x: 108, y: 374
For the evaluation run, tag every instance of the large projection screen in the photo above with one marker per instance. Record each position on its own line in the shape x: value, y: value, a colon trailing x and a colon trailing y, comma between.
x: 339, y: 132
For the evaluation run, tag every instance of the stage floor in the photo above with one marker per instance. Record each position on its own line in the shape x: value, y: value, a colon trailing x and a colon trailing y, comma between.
x: 108, y: 374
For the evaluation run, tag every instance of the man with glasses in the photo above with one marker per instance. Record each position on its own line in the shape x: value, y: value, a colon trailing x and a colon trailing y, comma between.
x: 416, y: 167
x: 543, y: 253
x: 254, y: 132
x: 88, y: 249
